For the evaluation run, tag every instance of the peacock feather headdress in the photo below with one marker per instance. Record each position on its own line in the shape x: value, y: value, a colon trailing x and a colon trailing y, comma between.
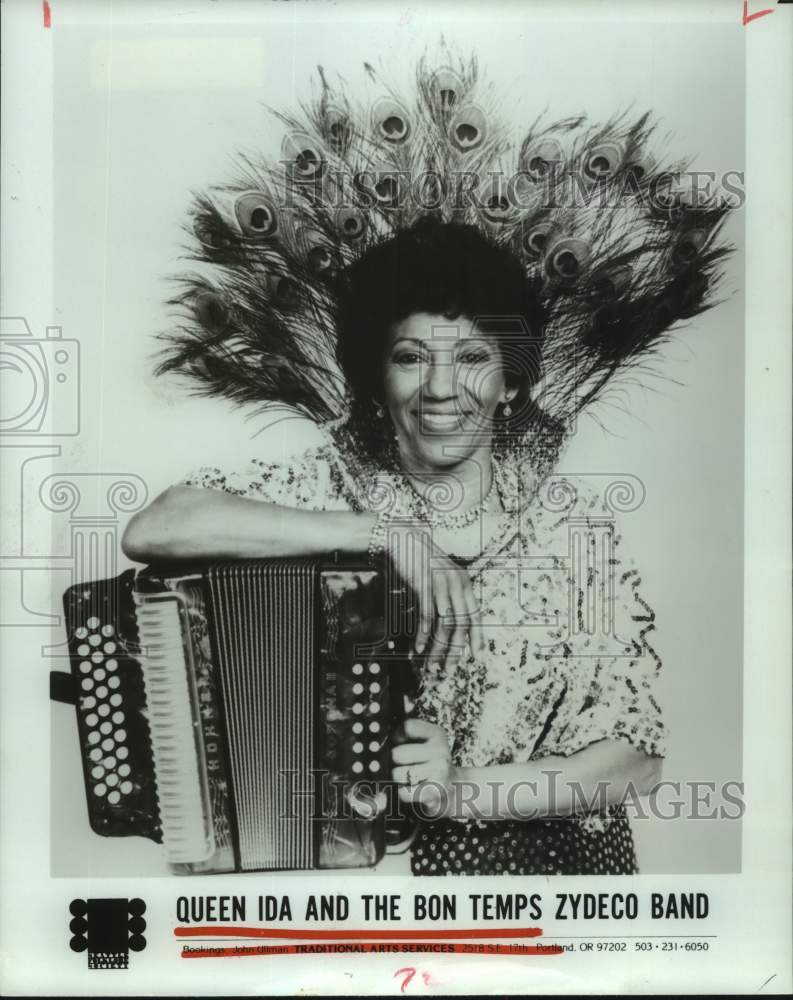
x: 619, y: 245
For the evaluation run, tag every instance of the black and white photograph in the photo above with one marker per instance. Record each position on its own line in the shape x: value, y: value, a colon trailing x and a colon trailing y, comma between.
x: 385, y: 498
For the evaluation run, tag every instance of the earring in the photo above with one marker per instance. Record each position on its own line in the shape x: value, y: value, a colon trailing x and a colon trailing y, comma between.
x: 378, y: 409
x: 507, y: 411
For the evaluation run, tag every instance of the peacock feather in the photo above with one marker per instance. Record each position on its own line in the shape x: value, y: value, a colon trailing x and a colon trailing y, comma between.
x: 621, y: 248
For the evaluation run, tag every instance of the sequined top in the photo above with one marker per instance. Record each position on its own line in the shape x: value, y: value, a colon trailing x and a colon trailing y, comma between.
x: 568, y: 658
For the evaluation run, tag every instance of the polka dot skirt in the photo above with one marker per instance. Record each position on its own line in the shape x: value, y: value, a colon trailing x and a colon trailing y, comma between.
x: 595, y: 844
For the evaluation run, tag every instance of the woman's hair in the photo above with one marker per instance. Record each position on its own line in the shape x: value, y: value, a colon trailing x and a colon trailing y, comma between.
x: 446, y: 269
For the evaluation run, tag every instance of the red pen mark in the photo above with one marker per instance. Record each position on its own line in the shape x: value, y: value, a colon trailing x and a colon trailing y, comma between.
x: 47, y: 15
x: 410, y: 974
x: 313, y: 934
x: 747, y: 17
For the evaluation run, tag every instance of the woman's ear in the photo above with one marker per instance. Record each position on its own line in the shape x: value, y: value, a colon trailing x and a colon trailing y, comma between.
x: 509, y: 394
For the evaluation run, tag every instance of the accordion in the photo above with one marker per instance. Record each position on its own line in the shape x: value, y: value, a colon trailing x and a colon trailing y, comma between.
x: 241, y: 713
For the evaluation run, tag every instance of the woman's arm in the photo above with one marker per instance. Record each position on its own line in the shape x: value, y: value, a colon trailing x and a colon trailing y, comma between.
x: 601, y: 774
x: 186, y: 522
x: 189, y: 523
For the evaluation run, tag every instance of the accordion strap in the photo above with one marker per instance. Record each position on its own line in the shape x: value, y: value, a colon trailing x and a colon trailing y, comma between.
x: 62, y: 687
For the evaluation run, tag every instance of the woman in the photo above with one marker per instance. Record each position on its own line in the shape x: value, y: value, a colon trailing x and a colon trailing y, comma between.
x: 526, y: 737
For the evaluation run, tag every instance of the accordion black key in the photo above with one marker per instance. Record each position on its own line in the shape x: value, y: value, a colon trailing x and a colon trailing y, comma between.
x: 241, y: 714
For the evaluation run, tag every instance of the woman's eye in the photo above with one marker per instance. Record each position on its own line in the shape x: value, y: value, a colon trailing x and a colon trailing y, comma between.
x: 474, y: 357
x: 407, y: 358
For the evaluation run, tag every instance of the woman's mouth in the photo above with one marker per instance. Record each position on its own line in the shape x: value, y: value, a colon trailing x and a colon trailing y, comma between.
x: 441, y: 420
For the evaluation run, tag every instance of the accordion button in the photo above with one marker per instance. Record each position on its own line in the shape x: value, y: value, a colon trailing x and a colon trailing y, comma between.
x: 374, y: 668
x: 83, y: 650
x: 113, y: 798
x: 374, y: 727
x: 123, y: 770
x: 121, y: 735
x: 107, y: 630
x: 97, y: 657
x: 80, y: 633
x: 357, y: 708
x: 93, y: 737
x: 94, y: 640
x: 357, y: 668
x: 87, y: 702
x: 374, y: 746
x: 95, y: 754
x: 85, y: 667
x: 99, y: 675
x: 104, y: 710
x: 111, y: 665
x: 109, y: 763
x: 86, y: 684
x: 357, y: 689
x: 115, y: 700
x: 126, y: 787
x: 92, y: 623
x: 105, y: 728
x: 374, y: 707
x: 374, y: 687
x: 109, y: 647
x: 374, y: 766
x: 357, y: 727
x: 99, y: 790
x: 97, y: 772
x: 91, y: 720
x: 113, y: 682
x: 107, y: 744
x: 122, y: 753
x: 112, y: 780
x: 357, y: 767
x: 101, y: 692
x: 118, y: 718
x: 357, y: 748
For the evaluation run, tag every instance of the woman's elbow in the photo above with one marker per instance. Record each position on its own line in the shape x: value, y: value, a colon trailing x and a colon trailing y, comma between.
x: 649, y: 773
x: 148, y: 535
x: 135, y: 542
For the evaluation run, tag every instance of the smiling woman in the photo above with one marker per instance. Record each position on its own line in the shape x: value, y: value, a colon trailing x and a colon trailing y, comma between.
x: 444, y: 298
x: 441, y: 387
x: 508, y: 695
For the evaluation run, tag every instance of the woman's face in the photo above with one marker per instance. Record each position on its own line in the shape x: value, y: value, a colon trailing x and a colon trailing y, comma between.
x: 443, y: 383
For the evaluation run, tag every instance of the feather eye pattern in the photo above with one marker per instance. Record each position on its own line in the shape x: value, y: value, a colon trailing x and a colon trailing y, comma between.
x: 621, y: 245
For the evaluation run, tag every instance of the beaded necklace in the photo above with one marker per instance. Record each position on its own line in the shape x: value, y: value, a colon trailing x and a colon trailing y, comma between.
x: 454, y: 520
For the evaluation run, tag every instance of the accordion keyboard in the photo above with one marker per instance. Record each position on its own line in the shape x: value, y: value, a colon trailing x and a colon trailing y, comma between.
x: 182, y: 791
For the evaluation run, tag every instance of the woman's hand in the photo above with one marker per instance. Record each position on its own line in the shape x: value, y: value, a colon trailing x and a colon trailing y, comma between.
x: 448, y: 618
x: 423, y: 767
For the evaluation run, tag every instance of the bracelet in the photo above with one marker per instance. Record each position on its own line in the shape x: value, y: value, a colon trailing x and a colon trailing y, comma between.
x: 378, y: 540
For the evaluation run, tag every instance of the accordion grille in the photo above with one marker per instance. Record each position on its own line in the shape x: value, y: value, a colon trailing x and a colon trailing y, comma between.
x: 264, y: 631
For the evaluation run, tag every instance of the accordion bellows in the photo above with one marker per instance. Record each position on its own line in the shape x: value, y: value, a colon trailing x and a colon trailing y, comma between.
x: 241, y: 713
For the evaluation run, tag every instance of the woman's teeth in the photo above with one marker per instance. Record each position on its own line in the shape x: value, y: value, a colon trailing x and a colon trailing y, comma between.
x: 441, y: 421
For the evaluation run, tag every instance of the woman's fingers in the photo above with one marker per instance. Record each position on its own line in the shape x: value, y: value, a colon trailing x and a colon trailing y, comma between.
x: 419, y: 753
x: 411, y: 775
x: 420, y: 729
x: 462, y: 619
x: 463, y: 614
x: 422, y: 586
x: 441, y: 630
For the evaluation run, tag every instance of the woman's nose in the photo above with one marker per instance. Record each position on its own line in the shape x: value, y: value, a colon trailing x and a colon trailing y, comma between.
x: 439, y: 381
